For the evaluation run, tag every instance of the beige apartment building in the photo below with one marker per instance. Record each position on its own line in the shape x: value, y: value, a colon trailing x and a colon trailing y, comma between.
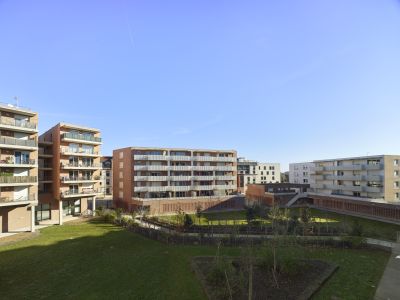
x: 367, y: 186
x: 166, y: 179
x: 19, y: 168
x: 69, y: 172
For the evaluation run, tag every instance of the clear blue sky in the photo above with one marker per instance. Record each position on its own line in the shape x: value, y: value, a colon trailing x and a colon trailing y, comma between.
x: 280, y: 81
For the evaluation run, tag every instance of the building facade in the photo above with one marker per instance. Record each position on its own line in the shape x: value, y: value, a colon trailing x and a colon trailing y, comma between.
x: 253, y: 172
x: 69, y: 171
x: 106, y: 176
x: 19, y: 168
x: 301, y: 173
x: 165, y: 179
x: 366, y: 186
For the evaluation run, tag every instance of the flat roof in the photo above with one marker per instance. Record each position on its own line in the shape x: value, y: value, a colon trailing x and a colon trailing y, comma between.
x: 74, y: 126
x: 179, y: 149
x: 17, y: 109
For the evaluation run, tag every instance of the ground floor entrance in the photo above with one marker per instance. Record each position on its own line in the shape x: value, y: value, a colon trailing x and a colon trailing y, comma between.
x: 43, y: 212
x: 71, y: 207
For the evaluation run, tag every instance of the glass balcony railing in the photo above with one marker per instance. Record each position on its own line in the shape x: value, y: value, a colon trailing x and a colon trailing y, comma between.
x: 5, y: 140
x: 82, y: 137
x: 13, y: 161
x: 19, y: 199
x: 17, y: 123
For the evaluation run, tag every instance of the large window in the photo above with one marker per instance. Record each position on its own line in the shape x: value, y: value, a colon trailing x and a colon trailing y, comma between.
x: 43, y: 212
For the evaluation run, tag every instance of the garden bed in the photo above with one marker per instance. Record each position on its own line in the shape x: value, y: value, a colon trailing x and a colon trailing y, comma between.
x: 300, y: 284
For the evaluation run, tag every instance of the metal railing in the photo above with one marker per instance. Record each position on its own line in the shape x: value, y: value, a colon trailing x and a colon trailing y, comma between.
x: 81, y: 151
x: 17, y: 142
x: 80, y: 165
x: 80, y: 178
x: 82, y: 137
x: 17, y: 179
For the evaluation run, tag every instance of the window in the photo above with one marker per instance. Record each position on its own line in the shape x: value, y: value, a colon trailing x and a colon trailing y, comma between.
x: 262, y: 173
x: 265, y: 167
x: 273, y: 177
x: 356, y: 194
x: 396, y: 173
x: 121, y: 155
x: 397, y: 196
x: 396, y: 162
x: 121, y: 164
x: 305, y: 180
x: 396, y: 184
x: 273, y: 172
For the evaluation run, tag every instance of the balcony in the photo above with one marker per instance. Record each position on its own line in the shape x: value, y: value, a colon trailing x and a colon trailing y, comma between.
x: 203, y: 178
x: 9, y: 201
x: 152, y: 188
x: 373, y: 166
x: 345, y: 167
x: 214, y: 158
x: 372, y: 177
x: 150, y: 168
x: 80, y: 166
x: 79, y: 193
x: 45, y: 154
x: 225, y: 187
x: 150, y: 178
x: 180, y: 168
x: 343, y: 187
x: 78, y: 152
x: 343, y: 177
x: 77, y: 137
x: 150, y: 157
x: 80, y: 179
x: 180, y: 157
x: 46, y: 179
x: 373, y: 189
x: 47, y: 167
x: 17, y: 125
x: 225, y: 177
x: 180, y: 178
x: 10, y: 180
x: 13, y: 143
x: 11, y: 162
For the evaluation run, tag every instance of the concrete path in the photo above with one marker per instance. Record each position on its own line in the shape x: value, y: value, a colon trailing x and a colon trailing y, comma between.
x: 389, y: 286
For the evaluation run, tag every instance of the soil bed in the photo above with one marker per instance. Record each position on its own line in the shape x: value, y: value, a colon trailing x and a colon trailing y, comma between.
x: 301, y: 284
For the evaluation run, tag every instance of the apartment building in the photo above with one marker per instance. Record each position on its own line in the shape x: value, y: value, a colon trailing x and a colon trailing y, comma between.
x: 253, y: 172
x: 301, y: 173
x: 19, y: 168
x: 69, y: 172
x: 106, y: 176
x: 368, y: 186
x: 165, y: 179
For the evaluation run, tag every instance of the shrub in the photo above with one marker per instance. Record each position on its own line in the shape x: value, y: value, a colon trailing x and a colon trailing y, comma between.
x: 356, y: 229
x: 187, y: 221
x: 354, y: 242
x: 125, y: 221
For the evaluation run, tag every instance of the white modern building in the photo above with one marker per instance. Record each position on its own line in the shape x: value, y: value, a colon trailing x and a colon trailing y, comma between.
x: 253, y: 172
x: 301, y: 172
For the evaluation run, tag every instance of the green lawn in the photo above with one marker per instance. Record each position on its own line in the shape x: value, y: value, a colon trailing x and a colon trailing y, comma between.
x: 101, y: 261
x: 374, y: 229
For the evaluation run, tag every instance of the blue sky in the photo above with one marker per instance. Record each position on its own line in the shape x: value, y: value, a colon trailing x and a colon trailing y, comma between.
x: 280, y: 81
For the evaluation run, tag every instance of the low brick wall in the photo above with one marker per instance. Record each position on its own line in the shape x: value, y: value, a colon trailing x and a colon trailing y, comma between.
x: 377, y: 211
x: 188, y: 205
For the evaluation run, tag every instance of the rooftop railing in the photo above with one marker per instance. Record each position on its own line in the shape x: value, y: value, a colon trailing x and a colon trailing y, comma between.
x: 17, y: 179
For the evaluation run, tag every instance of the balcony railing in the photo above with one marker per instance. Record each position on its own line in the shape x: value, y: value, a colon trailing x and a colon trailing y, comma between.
x: 17, y: 179
x: 5, y: 140
x: 81, y: 137
x: 66, y: 150
x: 80, y: 178
x: 79, y: 192
x: 17, y: 123
x: 12, y: 161
x: 80, y: 165
x: 19, y: 199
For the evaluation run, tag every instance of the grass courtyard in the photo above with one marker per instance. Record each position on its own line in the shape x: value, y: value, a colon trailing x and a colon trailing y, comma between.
x: 102, y: 261
x: 371, y: 228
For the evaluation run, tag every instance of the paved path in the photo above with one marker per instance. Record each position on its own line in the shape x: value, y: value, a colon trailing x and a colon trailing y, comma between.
x: 389, y: 286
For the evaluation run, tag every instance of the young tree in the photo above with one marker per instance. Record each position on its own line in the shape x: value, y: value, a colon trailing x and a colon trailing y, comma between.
x: 198, y: 212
